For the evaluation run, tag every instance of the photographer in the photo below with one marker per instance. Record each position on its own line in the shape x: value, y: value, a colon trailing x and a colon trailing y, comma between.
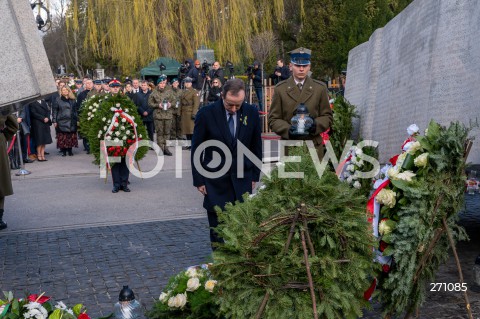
x: 281, y: 72
x: 184, y: 69
x: 256, y: 75
x: 215, y: 72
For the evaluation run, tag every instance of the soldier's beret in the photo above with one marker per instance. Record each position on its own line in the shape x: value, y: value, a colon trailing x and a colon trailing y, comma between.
x: 174, y: 80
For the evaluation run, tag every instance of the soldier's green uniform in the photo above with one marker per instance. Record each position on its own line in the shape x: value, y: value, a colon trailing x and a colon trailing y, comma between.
x: 176, y: 132
x: 163, y: 118
x: 287, y: 96
x: 189, y: 102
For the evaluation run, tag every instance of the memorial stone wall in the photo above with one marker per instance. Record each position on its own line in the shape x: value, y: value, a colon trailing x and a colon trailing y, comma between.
x: 424, y: 64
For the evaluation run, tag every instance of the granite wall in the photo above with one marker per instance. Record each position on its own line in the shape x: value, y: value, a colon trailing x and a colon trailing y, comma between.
x: 424, y: 64
x: 25, y: 73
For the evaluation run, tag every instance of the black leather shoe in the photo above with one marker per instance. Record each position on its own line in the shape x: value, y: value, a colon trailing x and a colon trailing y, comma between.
x: 3, y: 225
x: 126, y: 189
x: 167, y: 152
x: 115, y: 189
x: 28, y: 161
x: 46, y: 153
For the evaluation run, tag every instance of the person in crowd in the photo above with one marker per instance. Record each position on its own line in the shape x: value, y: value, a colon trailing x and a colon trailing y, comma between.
x: 41, y: 122
x: 195, y: 74
x: 120, y: 172
x: 281, y: 72
x: 176, y: 132
x: 65, y: 119
x: 215, y: 73
x: 8, y: 128
x: 141, y: 101
x: 256, y: 75
x: 161, y: 101
x: 97, y: 89
x: 26, y: 141
x: 230, y: 121
x: 78, y: 87
x: 80, y: 99
x: 129, y: 91
x: 215, y: 91
x: 105, y: 85
x: 189, y: 103
x: 151, y: 86
x: 135, y: 86
x: 300, y: 88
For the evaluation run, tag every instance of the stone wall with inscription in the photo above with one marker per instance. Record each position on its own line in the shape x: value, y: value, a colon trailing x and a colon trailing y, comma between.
x: 424, y: 64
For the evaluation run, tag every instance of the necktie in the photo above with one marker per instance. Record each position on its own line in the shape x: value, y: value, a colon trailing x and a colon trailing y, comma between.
x: 231, y: 125
x: 300, y: 86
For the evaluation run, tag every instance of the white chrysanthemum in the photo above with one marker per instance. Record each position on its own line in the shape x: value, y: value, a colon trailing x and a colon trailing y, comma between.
x: 32, y: 305
x: 70, y: 311
x: 357, y: 184
x: 349, y: 179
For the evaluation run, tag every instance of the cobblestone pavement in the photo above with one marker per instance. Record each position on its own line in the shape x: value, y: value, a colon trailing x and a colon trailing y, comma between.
x: 90, y: 265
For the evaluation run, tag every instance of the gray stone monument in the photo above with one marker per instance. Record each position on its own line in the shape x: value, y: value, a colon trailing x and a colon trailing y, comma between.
x: 205, y: 54
x: 424, y: 64
x: 24, y: 68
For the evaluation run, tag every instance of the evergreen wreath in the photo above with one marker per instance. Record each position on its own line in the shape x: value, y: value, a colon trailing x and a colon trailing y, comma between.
x: 262, y: 270
x: 96, y: 117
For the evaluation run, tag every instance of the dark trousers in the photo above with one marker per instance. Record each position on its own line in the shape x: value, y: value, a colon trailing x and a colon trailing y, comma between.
x: 120, y: 173
x: 213, y: 222
x: 259, y: 93
x: 86, y: 144
x: 149, y: 127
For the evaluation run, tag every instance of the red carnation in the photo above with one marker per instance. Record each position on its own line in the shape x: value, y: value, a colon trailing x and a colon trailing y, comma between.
x: 40, y: 299
x: 385, y: 268
x: 83, y: 316
x: 383, y: 246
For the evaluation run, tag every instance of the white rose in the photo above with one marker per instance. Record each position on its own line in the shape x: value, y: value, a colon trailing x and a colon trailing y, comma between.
x: 126, y: 110
x: 122, y: 127
x: 95, y: 104
x: 117, y: 133
x: 94, y: 110
x: 171, y: 302
x: 90, y: 107
x: 392, y: 173
x: 115, y: 124
x: 140, y: 135
x: 116, y: 140
x: 193, y: 284
x: 191, y: 272
x: 104, y: 119
x: 89, y: 113
x: 124, y: 138
x: 386, y: 226
x: 109, y: 138
x: 127, y: 131
x: 180, y: 300
x: 100, y: 132
x: 426, y: 132
x: 349, y: 179
x: 123, y: 120
x: 163, y: 297
x: 386, y: 197
x: 414, y: 147
x: 117, y: 105
x: 210, y: 284
x: 421, y: 160
x: 412, y: 129
x: 133, y: 117
x: 400, y: 159
x: 405, y: 176
x: 357, y: 185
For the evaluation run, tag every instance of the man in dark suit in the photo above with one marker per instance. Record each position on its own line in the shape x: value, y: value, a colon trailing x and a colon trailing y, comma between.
x: 228, y: 122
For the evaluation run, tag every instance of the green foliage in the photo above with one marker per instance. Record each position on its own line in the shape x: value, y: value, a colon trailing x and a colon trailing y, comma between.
x: 199, y: 302
x: 420, y: 243
x: 253, y: 261
x: 95, y: 117
x: 342, y: 127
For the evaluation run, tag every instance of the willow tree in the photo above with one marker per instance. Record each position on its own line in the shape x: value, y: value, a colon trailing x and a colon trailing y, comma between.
x: 136, y: 32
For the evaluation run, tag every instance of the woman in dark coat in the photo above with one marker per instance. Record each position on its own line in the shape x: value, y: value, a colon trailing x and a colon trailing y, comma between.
x: 65, y: 121
x: 40, y: 126
x: 8, y: 128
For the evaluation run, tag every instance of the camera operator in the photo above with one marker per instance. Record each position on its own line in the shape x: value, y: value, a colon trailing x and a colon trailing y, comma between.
x: 281, y: 72
x: 195, y: 74
x: 256, y: 75
x: 184, y: 69
x: 215, y: 72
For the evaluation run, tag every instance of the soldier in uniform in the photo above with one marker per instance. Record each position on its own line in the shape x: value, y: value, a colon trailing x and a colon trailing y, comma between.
x: 176, y: 132
x: 300, y: 88
x: 189, y: 103
x: 162, y: 101
x: 97, y: 89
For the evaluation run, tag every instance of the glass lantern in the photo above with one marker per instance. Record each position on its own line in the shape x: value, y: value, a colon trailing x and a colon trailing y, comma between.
x: 127, y: 307
x: 301, y: 122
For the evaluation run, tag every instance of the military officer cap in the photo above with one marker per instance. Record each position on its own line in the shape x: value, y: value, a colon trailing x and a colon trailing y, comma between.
x: 71, y: 75
x: 188, y: 79
x: 78, y: 81
x: 174, y: 80
x: 161, y: 78
x: 114, y: 83
x: 300, y: 56
x: 97, y: 82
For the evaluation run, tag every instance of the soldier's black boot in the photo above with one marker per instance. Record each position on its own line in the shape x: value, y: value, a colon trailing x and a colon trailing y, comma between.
x: 3, y: 225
